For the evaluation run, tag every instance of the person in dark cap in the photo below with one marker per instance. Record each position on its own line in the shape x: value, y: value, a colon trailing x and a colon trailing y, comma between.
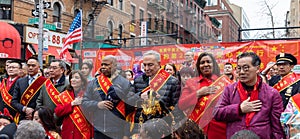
x: 287, y: 82
x: 8, y: 131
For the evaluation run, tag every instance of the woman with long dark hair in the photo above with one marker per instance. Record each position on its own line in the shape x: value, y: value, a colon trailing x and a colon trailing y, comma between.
x: 86, y: 69
x: 196, y: 97
x: 69, y: 109
x: 45, y: 116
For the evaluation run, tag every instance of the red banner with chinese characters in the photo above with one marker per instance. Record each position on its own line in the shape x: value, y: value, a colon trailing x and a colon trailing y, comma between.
x: 223, y: 52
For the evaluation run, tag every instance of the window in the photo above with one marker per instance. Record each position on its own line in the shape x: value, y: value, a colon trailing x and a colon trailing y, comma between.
x: 5, y: 9
x: 168, y: 26
x: 162, y: 2
x: 172, y: 27
x: 91, y: 27
x: 141, y: 16
x: 77, y: 11
x: 110, y: 29
x: 187, y: 23
x: 156, y: 20
x: 121, y: 5
x: 110, y: 2
x: 149, y: 20
x: 56, y: 12
x: 120, y: 33
x: 181, y: 19
x: 132, y: 14
x: 187, y: 4
x: 162, y: 23
x: 169, y: 5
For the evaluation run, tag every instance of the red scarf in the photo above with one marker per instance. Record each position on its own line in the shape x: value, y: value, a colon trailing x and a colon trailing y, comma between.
x: 253, y: 96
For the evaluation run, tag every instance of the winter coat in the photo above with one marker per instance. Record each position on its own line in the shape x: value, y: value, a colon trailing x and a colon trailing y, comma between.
x: 265, y: 123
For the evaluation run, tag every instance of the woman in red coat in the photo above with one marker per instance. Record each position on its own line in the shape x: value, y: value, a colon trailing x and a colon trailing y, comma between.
x: 195, y: 97
x: 75, y: 125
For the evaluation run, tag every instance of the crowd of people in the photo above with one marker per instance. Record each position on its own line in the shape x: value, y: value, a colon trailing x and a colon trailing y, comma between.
x: 194, y: 100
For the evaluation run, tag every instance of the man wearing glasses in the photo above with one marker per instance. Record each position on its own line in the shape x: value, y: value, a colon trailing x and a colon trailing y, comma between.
x: 59, y: 83
x: 287, y: 82
x: 250, y: 103
x: 7, y: 86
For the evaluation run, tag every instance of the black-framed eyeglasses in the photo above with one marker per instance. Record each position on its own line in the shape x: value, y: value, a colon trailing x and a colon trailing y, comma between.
x: 245, y: 68
x: 7, y: 42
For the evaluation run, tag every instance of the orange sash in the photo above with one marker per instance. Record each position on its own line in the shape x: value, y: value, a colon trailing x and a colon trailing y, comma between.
x: 158, y: 81
x: 5, y: 94
x: 155, y: 84
x: 207, y: 101
x: 296, y: 101
x: 105, y: 83
x: 52, y: 92
x: 29, y: 93
x: 77, y: 116
x: 286, y: 81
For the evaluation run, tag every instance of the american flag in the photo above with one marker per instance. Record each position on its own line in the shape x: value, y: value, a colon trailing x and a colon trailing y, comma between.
x: 74, y: 35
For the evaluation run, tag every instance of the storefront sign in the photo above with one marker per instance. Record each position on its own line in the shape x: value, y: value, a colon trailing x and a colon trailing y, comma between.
x: 54, y: 38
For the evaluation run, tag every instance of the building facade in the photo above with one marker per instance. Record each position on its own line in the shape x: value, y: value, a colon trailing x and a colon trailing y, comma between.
x: 221, y: 10
x: 293, y: 19
x: 243, y: 20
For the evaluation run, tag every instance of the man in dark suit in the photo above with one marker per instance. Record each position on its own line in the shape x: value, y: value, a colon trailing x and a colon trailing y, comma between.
x: 7, y: 86
x: 56, y: 69
x: 26, y: 91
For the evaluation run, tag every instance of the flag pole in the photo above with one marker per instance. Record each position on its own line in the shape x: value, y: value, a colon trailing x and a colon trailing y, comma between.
x: 81, y: 44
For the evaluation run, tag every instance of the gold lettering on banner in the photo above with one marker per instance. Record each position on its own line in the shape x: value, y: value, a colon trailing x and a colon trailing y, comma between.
x: 155, y: 85
x: 76, y: 116
x: 23, y: 102
x: 79, y: 120
x: 205, y: 98
x: 31, y: 91
x: 202, y: 103
x: 27, y: 96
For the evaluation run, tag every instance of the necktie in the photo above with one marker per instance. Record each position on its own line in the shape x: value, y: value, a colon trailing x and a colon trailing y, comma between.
x: 31, y: 80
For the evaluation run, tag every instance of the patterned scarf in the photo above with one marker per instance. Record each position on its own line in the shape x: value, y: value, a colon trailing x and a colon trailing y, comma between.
x: 244, y: 94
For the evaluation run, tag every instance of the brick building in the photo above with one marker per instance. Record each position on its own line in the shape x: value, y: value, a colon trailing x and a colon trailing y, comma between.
x: 222, y: 12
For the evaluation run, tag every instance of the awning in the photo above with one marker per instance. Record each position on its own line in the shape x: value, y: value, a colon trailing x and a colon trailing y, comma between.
x: 52, y: 50
x: 10, y: 41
